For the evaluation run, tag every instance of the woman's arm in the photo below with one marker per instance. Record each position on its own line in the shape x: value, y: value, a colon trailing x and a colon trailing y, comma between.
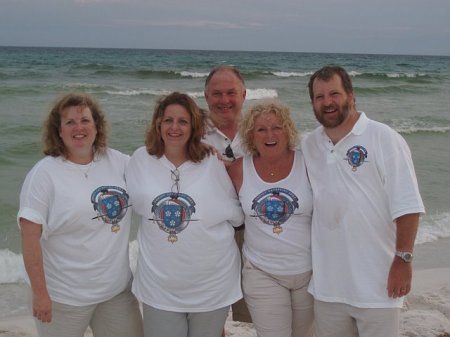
x: 236, y: 174
x: 34, y: 265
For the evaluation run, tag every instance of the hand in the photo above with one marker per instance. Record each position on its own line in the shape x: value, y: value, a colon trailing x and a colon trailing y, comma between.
x: 399, y: 279
x: 214, y: 151
x: 42, y: 307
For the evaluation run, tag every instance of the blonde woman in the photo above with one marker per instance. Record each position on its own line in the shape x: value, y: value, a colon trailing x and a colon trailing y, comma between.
x: 276, y: 198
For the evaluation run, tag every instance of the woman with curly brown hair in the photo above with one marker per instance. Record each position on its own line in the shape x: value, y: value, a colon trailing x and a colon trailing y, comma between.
x: 75, y: 227
x: 188, y: 270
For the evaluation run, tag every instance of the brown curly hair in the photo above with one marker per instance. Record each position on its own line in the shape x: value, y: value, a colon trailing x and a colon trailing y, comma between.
x: 196, y: 150
x: 52, y: 142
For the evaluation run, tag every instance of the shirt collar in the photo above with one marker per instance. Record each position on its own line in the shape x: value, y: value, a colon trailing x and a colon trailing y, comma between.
x: 213, y: 129
x: 361, y: 124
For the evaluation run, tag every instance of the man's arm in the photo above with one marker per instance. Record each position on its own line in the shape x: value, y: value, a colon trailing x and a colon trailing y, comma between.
x: 400, y: 273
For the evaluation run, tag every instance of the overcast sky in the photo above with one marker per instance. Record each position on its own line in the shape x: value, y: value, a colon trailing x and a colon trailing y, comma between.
x: 346, y: 26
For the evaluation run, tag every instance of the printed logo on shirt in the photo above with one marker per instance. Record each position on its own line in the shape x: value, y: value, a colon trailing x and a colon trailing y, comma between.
x: 111, y: 204
x: 274, y: 207
x: 172, y: 212
x: 356, y: 156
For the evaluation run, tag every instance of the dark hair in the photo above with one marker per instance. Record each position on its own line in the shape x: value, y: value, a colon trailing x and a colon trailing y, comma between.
x: 224, y: 67
x: 52, y: 142
x: 326, y: 73
x: 196, y: 150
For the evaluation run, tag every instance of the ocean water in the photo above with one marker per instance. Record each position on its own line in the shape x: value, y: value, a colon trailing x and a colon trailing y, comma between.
x: 409, y: 93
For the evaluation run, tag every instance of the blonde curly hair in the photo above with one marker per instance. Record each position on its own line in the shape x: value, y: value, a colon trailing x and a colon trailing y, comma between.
x: 281, y: 111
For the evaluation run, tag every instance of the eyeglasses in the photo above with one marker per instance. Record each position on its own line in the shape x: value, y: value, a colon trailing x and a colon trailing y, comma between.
x: 229, y: 152
x: 175, y: 176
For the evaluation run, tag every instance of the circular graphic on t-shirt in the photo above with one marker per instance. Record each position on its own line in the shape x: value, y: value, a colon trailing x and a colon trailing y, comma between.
x: 356, y: 156
x: 274, y: 207
x: 111, y: 204
x: 172, y: 212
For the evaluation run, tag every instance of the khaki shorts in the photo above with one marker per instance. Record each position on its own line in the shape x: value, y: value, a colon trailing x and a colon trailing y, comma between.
x: 117, y: 317
x: 280, y: 304
x: 343, y: 320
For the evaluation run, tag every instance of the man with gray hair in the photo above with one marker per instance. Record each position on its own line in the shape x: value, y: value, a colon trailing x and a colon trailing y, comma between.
x: 225, y: 95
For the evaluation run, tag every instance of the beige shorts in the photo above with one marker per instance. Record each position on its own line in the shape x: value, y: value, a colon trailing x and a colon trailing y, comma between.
x: 280, y: 305
x: 117, y: 317
x: 343, y: 320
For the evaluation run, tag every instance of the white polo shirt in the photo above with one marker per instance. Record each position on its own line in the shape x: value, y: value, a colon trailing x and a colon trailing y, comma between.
x: 360, y: 186
x: 220, y: 141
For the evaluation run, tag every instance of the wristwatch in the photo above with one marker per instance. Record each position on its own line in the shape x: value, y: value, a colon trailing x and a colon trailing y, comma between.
x: 405, y: 256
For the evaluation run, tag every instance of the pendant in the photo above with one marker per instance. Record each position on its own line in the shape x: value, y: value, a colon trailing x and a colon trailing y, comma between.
x: 115, y: 228
x: 277, y: 229
x: 172, y: 238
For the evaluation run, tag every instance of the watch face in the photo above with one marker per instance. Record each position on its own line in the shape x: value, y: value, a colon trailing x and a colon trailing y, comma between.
x: 405, y: 256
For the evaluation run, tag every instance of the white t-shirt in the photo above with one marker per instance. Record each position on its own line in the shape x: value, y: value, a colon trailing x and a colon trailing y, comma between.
x: 217, y: 138
x: 84, y: 261
x: 270, y: 207
x: 360, y: 186
x: 188, y: 260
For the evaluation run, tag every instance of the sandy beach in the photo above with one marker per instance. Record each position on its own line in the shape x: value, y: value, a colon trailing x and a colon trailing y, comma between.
x: 426, y: 312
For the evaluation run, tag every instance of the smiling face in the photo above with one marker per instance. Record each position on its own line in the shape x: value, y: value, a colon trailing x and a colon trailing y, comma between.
x: 225, y: 95
x: 78, y: 132
x: 331, y: 104
x: 176, y: 127
x: 269, y: 137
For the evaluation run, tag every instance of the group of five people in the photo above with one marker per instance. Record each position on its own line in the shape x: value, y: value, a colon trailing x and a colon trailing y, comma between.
x: 329, y: 224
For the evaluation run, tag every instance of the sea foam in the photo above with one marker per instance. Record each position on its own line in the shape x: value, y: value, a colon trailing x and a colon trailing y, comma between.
x: 407, y: 75
x: 433, y: 227
x: 416, y: 129
x: 12, y: 269
x: 291, y: 74
x: 253, y: 94
x: 138, y: 92
x: 193, y: 74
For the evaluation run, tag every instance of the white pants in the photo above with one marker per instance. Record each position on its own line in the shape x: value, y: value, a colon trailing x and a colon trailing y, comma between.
x: 343, y: 320
x: 161, y: 323
x: 117, y: 317
x: 280, y: 305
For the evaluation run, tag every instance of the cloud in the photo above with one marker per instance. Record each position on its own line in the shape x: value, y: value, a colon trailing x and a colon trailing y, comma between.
x: 189, y: 24
x: 101, y: 1
x: 391, y: 29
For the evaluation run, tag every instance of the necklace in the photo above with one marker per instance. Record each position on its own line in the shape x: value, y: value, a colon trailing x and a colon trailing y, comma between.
x: 85, y: 171
x: 271, y: 168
